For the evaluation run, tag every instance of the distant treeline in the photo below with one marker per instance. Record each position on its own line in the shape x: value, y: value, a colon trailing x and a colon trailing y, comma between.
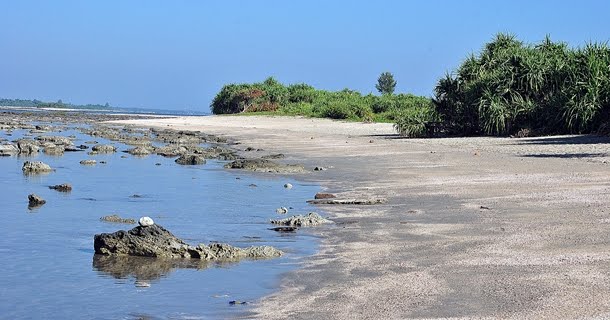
x: 303, y: 99
x: 41, y: 104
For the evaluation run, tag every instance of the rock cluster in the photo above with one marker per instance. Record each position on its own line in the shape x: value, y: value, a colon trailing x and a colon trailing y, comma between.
x: 310, y: 219
x: 264, y: 165
x: 156, y: 241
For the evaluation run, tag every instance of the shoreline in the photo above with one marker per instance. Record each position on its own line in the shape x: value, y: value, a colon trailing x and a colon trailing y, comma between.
x: 473, y: 227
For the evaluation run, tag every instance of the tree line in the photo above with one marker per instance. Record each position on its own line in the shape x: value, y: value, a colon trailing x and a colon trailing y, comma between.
x: 509, y: 87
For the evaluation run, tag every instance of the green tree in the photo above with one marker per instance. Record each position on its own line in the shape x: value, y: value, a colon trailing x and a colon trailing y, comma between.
x: 386, y: 83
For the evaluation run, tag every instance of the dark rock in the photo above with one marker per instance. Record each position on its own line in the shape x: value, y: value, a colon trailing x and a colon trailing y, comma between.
x: 319, y: 169
x: 64, y: 187
x: 311, y: 219
x: 264, y: 165
x: 72, y: 149
x: 323, y: 195
x: 190, y: 159
x: 35, y: 200
x: 156, y: 241
x: 284, y: 229
x: 83, y: 147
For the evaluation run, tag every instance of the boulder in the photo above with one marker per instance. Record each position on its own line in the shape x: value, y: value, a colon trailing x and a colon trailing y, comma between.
x: 311, y: 219
x: 156, y: 241
x: 35, y: 167
x: 64, y: 187
x: 104, y: 148
x: 190, y: 159
x: 281, y: 210
x: 264, y: 165
x: 35, y: 201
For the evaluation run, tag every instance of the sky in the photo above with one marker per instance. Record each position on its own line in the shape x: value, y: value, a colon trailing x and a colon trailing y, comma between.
x: 178, y: 54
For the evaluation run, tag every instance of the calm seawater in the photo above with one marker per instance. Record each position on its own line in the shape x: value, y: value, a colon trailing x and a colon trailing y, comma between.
x: 49, y: 270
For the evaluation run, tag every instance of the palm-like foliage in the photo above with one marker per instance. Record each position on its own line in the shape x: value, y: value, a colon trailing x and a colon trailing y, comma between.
x: 509, y: 86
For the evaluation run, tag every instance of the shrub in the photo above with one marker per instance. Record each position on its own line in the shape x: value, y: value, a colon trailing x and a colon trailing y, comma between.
x: 414, y: 123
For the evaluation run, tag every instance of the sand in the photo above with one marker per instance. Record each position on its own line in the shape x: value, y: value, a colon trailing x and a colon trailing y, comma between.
x: 472, y: 228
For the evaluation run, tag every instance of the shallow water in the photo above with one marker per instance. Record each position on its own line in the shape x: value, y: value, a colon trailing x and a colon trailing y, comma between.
x: 49, y: 269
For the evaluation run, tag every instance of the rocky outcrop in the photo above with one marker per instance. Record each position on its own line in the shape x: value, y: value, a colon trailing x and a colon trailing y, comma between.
x: 156, y: 241
x: 311, y: 219
x: 190, y: 159
x: 348, y: 201
x: 116, y: 219
x: 64, y: 187
x: 264, y: 165
x: 35, y: 167
x: 104, y: 148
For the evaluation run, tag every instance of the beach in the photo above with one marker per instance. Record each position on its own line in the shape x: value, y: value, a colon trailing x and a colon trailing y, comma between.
x: 469, y: 228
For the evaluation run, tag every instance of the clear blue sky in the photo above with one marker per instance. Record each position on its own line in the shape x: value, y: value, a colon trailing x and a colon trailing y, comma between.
x: 178, y: 54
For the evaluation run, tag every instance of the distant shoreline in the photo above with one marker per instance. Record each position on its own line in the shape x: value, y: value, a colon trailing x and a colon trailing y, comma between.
x: 134, y: 112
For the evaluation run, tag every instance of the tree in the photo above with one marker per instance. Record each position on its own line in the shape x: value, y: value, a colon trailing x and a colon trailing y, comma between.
x: 386, y: 83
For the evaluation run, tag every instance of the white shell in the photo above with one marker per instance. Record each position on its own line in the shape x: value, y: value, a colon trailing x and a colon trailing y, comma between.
x: 146, y: 221
x: 281, y: 210
x: 288, y: 186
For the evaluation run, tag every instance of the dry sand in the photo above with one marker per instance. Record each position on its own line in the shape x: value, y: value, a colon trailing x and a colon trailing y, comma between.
x: 473, y: 227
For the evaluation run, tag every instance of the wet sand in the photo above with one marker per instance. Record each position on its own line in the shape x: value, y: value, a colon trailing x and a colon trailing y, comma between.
x: 472, y: 228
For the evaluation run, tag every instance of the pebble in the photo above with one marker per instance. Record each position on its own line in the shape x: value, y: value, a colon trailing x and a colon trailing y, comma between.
x: 146, y: 221
x: 288, y: 186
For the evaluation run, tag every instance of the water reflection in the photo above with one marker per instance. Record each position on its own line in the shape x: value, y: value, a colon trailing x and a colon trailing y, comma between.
x: 145, y: 269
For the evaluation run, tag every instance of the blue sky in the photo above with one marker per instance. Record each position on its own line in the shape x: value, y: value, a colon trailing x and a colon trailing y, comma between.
x: 178, y: 54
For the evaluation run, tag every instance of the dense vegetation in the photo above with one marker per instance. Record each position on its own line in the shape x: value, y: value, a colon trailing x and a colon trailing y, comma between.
x: 41, y: 104
x: 302, y: 99
x: 510, y: 86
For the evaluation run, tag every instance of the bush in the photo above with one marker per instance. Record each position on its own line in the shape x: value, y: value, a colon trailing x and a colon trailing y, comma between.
x: 548, y: 87
x: 414, y: 123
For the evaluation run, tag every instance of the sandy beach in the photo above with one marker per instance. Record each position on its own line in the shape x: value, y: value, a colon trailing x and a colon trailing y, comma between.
x: 471, y: 228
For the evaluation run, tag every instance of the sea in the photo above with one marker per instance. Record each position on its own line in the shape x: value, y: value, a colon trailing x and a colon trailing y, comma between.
x: 50, y: 271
